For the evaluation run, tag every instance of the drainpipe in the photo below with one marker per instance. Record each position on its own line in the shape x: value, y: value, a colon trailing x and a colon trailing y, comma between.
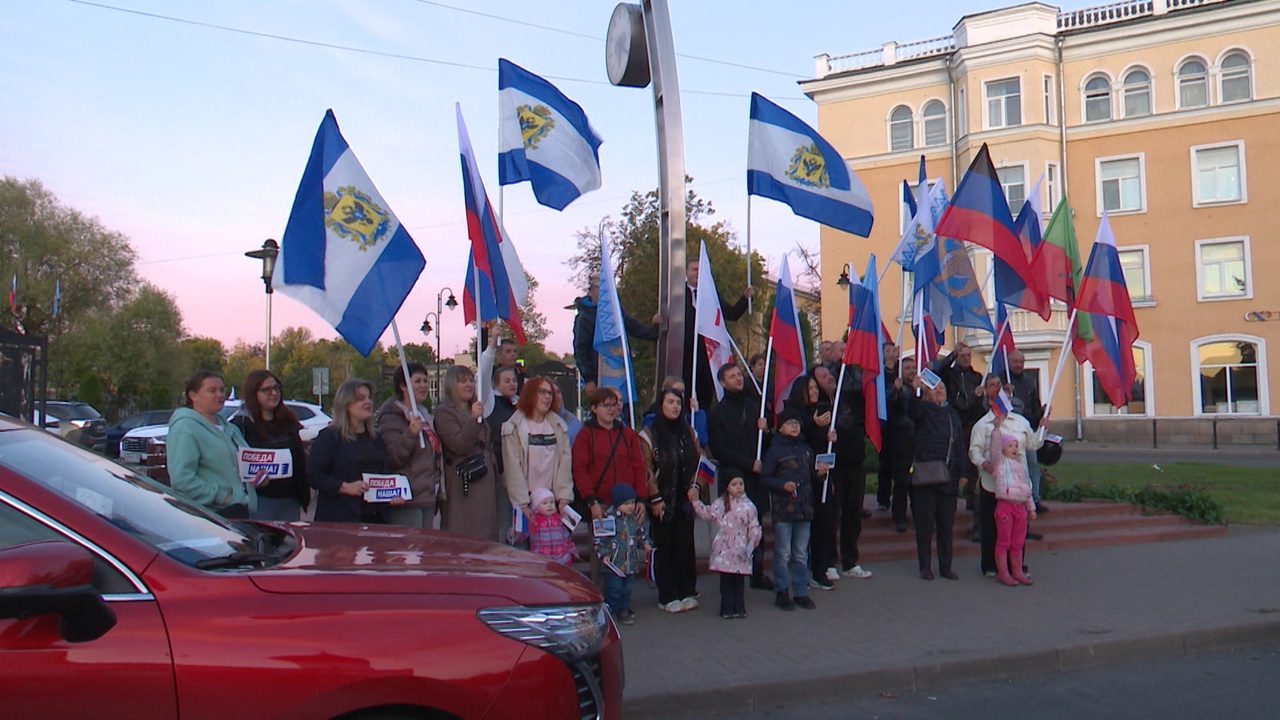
x: 955, y: 120
x: 1062, y: 164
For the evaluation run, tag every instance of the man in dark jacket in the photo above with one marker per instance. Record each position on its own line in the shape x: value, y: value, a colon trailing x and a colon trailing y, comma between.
x: 900, y: 439
x: 584, y: 333
x: 1027, y: 389
x: 850, y: 472
x: 696, y: 351
x: 733, y: 427
x: 964, y: 393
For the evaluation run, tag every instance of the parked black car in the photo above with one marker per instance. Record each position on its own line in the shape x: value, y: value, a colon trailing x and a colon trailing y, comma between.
x: 80, y: 422
x: 146, y: 418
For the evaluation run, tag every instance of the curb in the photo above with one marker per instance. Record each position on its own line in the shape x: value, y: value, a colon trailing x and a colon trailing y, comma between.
x: 752, y: 694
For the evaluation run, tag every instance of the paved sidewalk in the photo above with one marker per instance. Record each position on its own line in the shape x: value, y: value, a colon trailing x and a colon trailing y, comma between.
x: 898, y: 632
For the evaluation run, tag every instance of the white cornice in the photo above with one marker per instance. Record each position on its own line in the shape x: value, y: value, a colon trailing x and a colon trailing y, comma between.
x: 1168, y: 29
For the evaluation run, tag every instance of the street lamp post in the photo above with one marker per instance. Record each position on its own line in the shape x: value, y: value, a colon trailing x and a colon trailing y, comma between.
x: 268, y: 254
x: 441, y: 304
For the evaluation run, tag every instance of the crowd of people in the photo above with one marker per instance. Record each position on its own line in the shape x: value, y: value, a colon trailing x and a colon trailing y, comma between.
x: 512, y: 473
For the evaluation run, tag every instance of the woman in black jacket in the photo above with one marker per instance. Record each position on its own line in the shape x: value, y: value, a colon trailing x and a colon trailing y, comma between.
x: 938, y: 437
x: 671, y: 449
x: 342, y: 453
x: 268, y: 423
x: 814, y: 407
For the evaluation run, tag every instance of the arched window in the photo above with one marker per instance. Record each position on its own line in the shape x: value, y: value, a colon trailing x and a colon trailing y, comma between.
x: 935, y: 123
x: 1137, y: 93
x: 901, y: 129
x: 1228, y: 373
x: 1193, y: 84
x: 1236, y: 85
x: 1097, y: 100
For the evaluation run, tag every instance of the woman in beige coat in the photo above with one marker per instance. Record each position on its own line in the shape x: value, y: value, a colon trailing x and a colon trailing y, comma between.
x: 535, y: 448
x: 469, y: 509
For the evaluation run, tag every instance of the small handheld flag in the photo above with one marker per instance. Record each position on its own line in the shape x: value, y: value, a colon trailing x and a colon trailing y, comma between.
x: 706, y: 471
x: 1002, y: 405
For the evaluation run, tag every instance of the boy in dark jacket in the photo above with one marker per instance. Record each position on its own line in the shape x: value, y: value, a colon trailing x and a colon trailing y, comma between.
x: 790, y: 474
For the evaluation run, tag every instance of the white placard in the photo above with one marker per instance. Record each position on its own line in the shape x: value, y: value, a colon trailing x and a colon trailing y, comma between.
x: 258, y: 465
x: 570, y: 517
x: 385, y: 488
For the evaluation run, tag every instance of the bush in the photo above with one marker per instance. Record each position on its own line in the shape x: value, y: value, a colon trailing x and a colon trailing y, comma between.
x: 1191, y: 502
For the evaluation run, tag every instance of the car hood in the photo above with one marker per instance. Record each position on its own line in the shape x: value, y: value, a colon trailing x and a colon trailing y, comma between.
x: 370, y: 559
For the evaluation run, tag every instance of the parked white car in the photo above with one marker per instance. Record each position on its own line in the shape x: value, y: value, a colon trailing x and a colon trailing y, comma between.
x: 145, y: 445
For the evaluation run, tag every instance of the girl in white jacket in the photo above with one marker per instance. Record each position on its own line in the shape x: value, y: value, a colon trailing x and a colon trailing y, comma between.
x: 738, y: 533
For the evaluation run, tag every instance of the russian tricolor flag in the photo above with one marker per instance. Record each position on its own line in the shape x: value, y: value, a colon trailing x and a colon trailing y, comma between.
x: 494, y: 271
x: 784, y: 329
x: 1105, y: 297
x: 1002, y: 405
x: 863, y: 347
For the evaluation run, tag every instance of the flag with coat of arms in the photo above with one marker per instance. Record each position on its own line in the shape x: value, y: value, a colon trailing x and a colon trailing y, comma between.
x: 344, y: 253
x: 544, y: 138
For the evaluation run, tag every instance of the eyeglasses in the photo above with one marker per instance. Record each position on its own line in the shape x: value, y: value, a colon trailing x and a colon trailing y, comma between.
x: 270, y: 389
x: 611, y: 405
x: 546, y: 393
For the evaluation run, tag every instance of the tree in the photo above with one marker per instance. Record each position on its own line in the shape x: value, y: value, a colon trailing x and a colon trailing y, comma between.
x: 636, y: 246
x: 43, y: 242
x: 202, y: 352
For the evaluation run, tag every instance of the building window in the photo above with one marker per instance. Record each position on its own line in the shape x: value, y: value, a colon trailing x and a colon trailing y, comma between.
x: 1013, y: 180
x: 935, y: 123
x: 1236, y: 83
x: 1193, y: 84
x: 1050, y: 117
x: 901, y: 129
x: 1219, y: 173
x: 1097, y: 100
x: 1120, y: 186
x: 1096, y: 398
x: 1137, y: 277
x: 1054, y: 187
x: 1224, y: 272
x: 1228, y: 376
x: 1137, y: 93
x: 962, y: 119
x: 1004, y: 103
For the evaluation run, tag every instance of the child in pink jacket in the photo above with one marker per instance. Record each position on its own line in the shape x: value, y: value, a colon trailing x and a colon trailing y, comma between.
x: 738, y: 534
x: 1013, y: 506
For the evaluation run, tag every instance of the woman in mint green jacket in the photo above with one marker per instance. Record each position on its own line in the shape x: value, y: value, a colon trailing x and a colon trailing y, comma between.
x: 203, y: 450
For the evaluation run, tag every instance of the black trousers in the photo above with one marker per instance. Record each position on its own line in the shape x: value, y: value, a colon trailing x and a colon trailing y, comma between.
x: 675, y: 565
x: 851, y: 488
x: 822, y: 534
x: 759, y: 496
x: 986, y: 520
x: 733, y: 594
x: 895, y: 490
x: 933, y: 511
x: 884, y: 476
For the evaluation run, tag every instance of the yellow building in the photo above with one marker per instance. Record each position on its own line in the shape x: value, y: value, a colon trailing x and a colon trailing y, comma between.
x: 1164, y: 112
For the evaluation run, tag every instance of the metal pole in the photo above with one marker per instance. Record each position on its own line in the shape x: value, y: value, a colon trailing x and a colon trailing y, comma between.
x: 269, y: 294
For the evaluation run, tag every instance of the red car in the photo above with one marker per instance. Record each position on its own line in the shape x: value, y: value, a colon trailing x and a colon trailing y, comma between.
x: 120, y: 598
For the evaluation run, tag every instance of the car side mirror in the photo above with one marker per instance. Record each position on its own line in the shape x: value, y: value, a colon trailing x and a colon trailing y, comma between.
x: 50, y: 577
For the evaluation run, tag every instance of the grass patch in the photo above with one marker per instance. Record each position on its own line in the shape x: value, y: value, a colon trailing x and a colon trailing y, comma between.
x: 1243, y: 495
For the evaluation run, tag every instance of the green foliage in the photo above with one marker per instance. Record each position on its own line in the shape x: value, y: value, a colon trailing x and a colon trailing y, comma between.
x: 1193, y: 502
x: 90, y: 389
x: 637, y: 250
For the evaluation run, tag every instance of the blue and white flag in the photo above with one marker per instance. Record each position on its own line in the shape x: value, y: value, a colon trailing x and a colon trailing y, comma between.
x: 610, y: 339
x: 790, y: 162
x: 544, y: 137
x: 344, y: 253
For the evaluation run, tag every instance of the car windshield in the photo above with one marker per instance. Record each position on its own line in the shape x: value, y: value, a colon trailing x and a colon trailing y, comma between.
x: 138, y: 505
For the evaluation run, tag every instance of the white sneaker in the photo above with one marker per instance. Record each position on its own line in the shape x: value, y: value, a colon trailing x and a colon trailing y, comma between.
x: 689, y: 603
x: 833, y: 574
x: 857, y: 572
x: 673, y: 607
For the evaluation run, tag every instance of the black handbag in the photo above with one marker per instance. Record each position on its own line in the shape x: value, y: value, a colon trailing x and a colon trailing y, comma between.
x: 928, y: 473
x: 470, y: 470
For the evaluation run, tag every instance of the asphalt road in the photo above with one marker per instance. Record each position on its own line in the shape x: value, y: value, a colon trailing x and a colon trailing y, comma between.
x: 1239, y: 684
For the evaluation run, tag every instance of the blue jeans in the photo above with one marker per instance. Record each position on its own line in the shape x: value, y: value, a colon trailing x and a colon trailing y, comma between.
x: 279, y: 509
x: 617, y: 591
x: 791, y: 556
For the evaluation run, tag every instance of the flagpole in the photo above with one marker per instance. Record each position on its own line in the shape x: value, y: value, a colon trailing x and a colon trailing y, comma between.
x: 768, y: 355
x: 738, y: 350
x: 698, y: 347
x: 750, y: 305
x: 1004, y: 327
x: 902, y: 310
x: 475, y: 267
x: 408, y: 382
x: 626, y: 367
x: 1062, y: 359
x: 835, y: 403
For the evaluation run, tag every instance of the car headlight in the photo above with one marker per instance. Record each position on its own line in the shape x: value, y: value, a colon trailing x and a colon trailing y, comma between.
x: 570, y: 632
